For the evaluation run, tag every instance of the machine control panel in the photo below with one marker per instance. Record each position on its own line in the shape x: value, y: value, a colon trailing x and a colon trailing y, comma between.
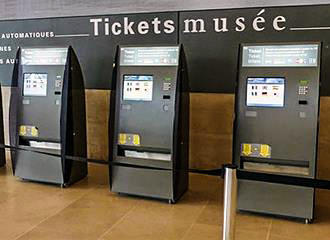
x: 167, y: 84
x: 303, y: 87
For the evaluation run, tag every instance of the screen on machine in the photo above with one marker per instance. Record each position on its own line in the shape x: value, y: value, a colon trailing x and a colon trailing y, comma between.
x: 265, y: 92
x: 35, y: 84
x: 138, y: 87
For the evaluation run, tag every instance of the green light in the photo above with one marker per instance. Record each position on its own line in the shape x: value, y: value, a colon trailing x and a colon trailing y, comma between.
x: 303, y: 82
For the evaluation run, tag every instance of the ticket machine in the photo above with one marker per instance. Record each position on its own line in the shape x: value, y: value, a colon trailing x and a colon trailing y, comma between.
x: 48, y: 116
x: 150, y: 114
x: 276, y: 125
x: 2, y: 137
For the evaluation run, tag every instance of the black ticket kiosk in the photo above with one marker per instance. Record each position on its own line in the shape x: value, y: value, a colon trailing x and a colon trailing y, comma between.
x: 47, y: 114
x: 150, y: 114
x: 2, y: 136
x: 276, y: 125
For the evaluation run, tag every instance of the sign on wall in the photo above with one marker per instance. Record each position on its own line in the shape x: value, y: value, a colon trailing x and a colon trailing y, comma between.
x: 210, y: 38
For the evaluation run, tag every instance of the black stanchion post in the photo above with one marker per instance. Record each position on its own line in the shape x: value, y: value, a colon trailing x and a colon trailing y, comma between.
x: 230, y: 202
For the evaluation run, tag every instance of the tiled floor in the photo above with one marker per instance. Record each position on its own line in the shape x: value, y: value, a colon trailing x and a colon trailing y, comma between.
x: 88, y: 210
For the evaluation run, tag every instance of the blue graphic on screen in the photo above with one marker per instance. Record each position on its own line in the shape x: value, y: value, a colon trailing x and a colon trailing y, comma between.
x: 138, y: 87
x: 265, y: 92
x: 138, y: 78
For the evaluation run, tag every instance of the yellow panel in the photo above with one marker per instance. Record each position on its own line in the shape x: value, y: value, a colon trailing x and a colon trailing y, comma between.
x: 136, y: 139
x: 34, y: 132
x: 22, y: 130
x: 264, y: 150
x: 247, y: 149
x: 122, y: 138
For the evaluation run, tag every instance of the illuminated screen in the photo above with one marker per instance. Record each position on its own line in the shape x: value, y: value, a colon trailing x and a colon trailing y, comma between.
x: 265, y: 92
x: 44, y: 56
x: 138, y: 87
x: 35, y: 84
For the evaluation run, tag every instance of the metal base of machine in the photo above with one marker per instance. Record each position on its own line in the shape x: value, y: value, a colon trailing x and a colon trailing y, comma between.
x: 276, y: 216
x: 169, y: 201
x: 153, y: 184
x: 276, y: 199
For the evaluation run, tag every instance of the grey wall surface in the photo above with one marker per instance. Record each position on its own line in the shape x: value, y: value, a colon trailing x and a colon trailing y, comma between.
x: 22, y: 9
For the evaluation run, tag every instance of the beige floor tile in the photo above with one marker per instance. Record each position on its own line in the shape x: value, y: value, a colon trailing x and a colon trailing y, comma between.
x: 276, y: 237
x: 159, y: 220
x: 87, y: 218
x: 204, y: 231
x: 88, y: 210
x: 210, y: 232
x: 250, y: 235
x: 319, y: 230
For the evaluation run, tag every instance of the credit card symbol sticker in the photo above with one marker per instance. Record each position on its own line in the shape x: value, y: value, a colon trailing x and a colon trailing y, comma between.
x: 28, y: 131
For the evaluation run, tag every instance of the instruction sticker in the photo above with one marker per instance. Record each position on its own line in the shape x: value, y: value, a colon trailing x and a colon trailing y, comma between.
x: 28, y: 131
x: 129, y: 139
x: 256, y: 150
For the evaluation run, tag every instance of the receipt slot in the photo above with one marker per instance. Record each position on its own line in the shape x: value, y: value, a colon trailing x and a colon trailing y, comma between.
x: 48, y: 116
x: 276, y: 125
x: 150, y: 114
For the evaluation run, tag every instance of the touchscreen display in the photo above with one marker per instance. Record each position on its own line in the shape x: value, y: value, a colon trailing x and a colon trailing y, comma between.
x: 35, y: 84
x: 138, y: 87
x: 265, y: 92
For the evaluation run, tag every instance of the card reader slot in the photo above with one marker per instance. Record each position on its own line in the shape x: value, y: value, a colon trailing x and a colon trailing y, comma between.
x: 303, y: 102
x: 166, y: 97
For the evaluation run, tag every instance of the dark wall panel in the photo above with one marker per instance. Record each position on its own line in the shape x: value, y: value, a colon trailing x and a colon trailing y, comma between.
x: 95, y: 53
x: 18, y: 9
x: 213, y: 56
x: 212, y: 53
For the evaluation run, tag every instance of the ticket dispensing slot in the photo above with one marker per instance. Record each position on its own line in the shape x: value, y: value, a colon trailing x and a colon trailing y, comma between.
x: 147, y: 155
x: 275, y: 166
x: 144, y: 153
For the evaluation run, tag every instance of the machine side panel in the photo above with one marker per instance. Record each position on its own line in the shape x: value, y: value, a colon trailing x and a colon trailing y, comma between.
x: 76, y: 123
x: 2, y: 137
